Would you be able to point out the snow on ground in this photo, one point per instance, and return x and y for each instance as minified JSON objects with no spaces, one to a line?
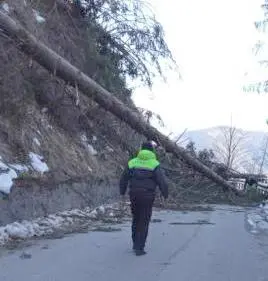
{"x":257,"y":218}
{"x":38,"y":163}
{"x":8,"y":172}
{"x":6,"y":176}
{"x":5,"y":7}
{"x":92,"y":150}
{"x":36,"y":141}
{"x":38,"y":17}
{"x":63,"y":220}
{"x":19,"y":168}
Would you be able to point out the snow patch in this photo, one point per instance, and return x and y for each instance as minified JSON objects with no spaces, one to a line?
{"x":258,"y":219}
{"x":8,"y":172}
{"x":92,"y":150}
{"x":19,"y":167}
{"x":38,"y":163}
{"x":109,"y":149}
{"x":44,"y":110}
{"x":255,"y":218}
{"x":5,"y":7}
{"x":6,"y":176}
{"x":84,"y":4}
{"x":38,"y":17}
{"x":263,"y":225}
{"x":213,"y":133}
{"x":47,"y":225}
{"x":251,"y":223}
{"x":36,"y":141}
{"x":93,"y":214}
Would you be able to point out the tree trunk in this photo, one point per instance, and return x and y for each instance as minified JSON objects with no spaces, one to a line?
{"x":60,"y":67}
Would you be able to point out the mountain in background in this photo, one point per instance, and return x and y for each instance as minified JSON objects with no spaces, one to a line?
{"x":205,"y":138}
{"x":253,"y":145}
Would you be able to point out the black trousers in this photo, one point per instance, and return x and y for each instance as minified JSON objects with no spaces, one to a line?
{"x":141,"y":208}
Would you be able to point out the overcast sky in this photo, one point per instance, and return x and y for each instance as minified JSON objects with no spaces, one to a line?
{"x":212,"y":43}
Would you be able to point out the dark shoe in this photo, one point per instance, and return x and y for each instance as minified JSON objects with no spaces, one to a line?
{"x":140,"y":252}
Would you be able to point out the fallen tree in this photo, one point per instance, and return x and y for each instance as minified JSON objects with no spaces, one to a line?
{"x":61,"y":68}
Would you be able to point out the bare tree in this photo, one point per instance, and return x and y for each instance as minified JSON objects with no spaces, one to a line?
{"x":259,"y":159}
{"x":229,"y":147}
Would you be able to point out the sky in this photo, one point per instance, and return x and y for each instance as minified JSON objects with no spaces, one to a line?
{"x":212,"y":43}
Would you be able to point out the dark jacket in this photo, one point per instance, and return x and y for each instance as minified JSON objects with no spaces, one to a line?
{"x":143,"y":174}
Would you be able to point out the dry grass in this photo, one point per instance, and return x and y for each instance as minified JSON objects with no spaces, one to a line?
{"x":26,"y":89}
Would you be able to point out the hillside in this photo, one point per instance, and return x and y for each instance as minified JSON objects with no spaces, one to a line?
{"x":52,"y":136}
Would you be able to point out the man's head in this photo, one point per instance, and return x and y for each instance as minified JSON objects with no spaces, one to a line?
{"x":149,"y":145}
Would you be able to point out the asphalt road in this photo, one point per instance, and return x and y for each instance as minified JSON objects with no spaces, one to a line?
{"x":194,"y":246}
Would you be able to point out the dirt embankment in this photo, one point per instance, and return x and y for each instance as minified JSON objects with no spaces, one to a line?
{"x":60,"y":148}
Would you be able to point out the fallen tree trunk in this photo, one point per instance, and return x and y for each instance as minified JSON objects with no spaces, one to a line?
{"x":60,"y":67}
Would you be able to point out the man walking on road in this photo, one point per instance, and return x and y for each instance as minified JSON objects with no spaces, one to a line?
{"x":142,"y":175}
